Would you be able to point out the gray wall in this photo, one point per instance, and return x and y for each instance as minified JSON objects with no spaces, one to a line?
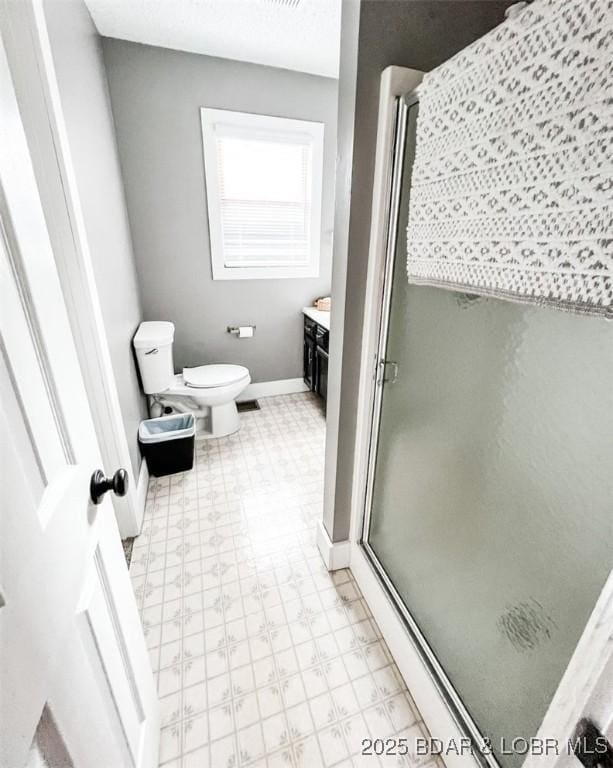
{"x":77,"y":55}
{"x":421,"y":35}
{"x":156,"y":96}
{"x":348,"y":63}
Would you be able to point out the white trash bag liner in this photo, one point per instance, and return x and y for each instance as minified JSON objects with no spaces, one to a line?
{"x":172,"y":427}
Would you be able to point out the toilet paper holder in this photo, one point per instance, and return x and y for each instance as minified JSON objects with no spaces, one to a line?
{"x":242,"y":331}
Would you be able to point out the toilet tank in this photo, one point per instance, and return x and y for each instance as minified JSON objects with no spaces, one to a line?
{"x":153,"y":346}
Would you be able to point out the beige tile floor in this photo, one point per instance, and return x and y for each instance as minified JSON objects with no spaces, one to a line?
{"x":262,"y":658}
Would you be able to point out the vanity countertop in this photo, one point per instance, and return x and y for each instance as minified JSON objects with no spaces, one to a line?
{"x":320,"y":317}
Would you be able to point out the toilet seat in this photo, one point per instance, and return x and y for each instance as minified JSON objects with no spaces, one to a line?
{"x":210,"y":376}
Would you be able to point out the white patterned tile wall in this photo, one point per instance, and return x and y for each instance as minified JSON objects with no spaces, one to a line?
{"x":262,"y":657}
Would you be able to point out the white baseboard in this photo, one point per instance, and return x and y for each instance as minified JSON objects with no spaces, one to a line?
{"x":334,"y":555}
{"x":141,"y":492}
{"x":435,"y":712}
{"x":271,"y":388}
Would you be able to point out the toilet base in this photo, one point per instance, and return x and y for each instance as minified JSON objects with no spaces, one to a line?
{"x":223,"y":420}
{"x":211,"y":421}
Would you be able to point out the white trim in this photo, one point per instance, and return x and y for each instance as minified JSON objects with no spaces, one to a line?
{"x":141,"y":492}
{"x":334,"y":554}
{"x":59,"y":191}
{"x":432,"y":706}
{"x":395,"y":82}
{"x":215,"y":121}
{"x":271,"y":388}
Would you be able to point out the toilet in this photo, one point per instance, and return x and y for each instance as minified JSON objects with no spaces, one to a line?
{"x":207,"y":391}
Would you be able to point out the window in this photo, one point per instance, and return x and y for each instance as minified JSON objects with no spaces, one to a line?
{"x":263,"y":183}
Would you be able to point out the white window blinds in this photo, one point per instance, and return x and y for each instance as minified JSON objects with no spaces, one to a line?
{"x":263,"y":179}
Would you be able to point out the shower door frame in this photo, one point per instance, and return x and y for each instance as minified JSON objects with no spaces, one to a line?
{"x":590,"y":669}
{"x":459,"y":712}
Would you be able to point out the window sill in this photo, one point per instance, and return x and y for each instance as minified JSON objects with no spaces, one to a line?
{"x":264,"y":273}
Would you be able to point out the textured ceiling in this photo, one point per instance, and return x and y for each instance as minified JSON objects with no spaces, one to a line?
{"x":303,"y":35}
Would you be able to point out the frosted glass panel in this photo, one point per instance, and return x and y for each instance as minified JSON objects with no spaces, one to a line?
{"x":492,"y":502}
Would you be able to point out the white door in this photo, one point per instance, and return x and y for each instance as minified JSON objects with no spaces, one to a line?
{"x":584,"y":696}
{"x":76,"y":688}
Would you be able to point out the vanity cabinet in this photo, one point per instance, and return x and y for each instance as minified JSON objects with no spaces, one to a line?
{"x":308,"y":358}
{"x":321,"y":378}
{"x":315,"y":357}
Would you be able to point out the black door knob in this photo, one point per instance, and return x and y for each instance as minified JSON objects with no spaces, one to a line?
{"x":100,"y":484}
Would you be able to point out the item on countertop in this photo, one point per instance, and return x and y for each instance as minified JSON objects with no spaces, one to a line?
{"x":324,"y":304}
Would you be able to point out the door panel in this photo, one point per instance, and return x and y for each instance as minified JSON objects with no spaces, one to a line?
{"x":34,"y":399}
{"x":102,"y":632}
{"x":23,"y":474}
{"x":74,"y":661}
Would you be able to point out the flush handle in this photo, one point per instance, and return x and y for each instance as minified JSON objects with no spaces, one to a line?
{"x":99,"y":484}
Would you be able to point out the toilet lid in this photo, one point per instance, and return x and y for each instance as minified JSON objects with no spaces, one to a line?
{"x":207,"y":376}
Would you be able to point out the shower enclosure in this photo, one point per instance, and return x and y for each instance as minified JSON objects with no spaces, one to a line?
{"x":489,"y":500}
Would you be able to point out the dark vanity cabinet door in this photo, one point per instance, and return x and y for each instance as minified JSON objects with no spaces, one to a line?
{"x":321,"y":358}
{"x":321,"y":380}
{"x":309,"y":362}
{"x":315,"y":357}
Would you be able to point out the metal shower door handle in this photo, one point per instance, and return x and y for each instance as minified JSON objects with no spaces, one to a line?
{"x":383,"y":375}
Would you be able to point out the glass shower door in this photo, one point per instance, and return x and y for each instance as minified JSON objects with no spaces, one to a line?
{"x":490,"y":501}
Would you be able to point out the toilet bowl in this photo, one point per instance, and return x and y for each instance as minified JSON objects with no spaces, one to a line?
{"x":221,"y":385}
{"x":207,"y":391}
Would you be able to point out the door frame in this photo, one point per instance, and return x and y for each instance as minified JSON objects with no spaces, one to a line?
{"x":589,"y":673}
{"x":395,"y":83}
{"x":52,"y":159}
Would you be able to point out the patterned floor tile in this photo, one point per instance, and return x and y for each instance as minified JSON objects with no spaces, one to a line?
{"x":262,"y":658}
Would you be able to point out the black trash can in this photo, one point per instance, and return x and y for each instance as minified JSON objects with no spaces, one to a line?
{"x":167,"y":443}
